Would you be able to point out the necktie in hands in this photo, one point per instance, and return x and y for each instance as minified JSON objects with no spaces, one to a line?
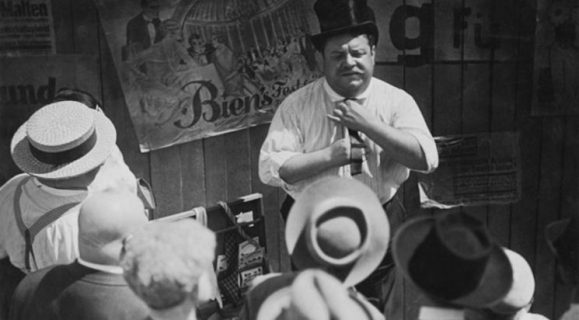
{"x":357,"y":147}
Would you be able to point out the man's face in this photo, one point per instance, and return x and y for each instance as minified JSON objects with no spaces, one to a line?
{"x":348,"y":64}
{"x":151,"y":9}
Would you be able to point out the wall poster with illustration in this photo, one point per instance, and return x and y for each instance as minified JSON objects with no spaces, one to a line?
{"x":556,"y":83}
{"x":191,"y":69}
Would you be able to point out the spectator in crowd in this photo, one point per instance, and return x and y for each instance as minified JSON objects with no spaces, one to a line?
{"x":515,"y":305}
{"x":453,"y":261}
{"x":169,"y":266}
{"x":563,"y":240}
{"x":349,"y":123}
{"x":66,"y":151}
{"x":337,"y":225}
{"x":310,"y":295}
{"x":93,"y":286}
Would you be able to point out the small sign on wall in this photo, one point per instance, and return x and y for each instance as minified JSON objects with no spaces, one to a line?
{"x":26,"y":28}
{"x":474,"y":169}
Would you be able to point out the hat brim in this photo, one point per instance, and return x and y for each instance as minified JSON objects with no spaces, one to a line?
{"x":366,"y":27}
{"x":330,"y":193}
{"x":105,"y":140}
{"x":496,"y":280}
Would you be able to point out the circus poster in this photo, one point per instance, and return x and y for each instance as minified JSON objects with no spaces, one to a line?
{"x":192,"y":69}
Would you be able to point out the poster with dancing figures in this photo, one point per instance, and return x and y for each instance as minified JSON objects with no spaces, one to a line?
{"x":192,"y":69}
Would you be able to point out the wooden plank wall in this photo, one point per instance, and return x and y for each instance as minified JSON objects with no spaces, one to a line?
{"x":459,"y":91}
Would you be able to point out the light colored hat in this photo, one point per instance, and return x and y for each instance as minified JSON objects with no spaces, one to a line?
{"x":452,"y":258}
{"x":62,"y":140}
{"x":522,"y":289}
{"x":339,"y":225}
{"x":313,"y":294}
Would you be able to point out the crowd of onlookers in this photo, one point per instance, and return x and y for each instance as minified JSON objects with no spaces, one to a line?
{"x":77,"y":241}
{"x":101,"y":257}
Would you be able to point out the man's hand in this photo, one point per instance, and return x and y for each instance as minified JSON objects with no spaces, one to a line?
{"x":353,"y":115}
{"x":340,"y":152}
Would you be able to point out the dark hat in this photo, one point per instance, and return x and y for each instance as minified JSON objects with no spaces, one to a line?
{"x":563,"y":240}
{"x":452,"y":258}
{"x":339,"y":225}
{"x":343,"y":16}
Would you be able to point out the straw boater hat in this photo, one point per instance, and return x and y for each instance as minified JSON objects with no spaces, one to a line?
{"x":61,"y":140}
{"x":343,"y":16}
{"x":339,"y":225}
{"x":452,"y":258}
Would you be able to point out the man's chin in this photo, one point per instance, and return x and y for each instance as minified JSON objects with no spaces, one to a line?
{"x":353,"y":88}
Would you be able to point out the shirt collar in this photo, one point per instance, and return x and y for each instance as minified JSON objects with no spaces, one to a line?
{"x":335,"y":97}
{"x":59,"y":192}
{"x":101,"y":267}
{"x":147,"y":18}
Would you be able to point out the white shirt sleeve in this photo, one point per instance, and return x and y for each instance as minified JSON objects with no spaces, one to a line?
{"x":408,"y":117}
{"x":283,"y":142}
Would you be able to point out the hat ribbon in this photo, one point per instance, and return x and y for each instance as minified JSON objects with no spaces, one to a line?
{"x":67,"y":156}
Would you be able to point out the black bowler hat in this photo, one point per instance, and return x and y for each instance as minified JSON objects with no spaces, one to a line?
{"x":343,"y":16}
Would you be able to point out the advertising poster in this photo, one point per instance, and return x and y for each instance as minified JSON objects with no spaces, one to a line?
{"x":191,"y":69}
{"x":477,"y":169}
{"x":556,"y":74}
{"x":27,"y":84}
{"x":26,"y":28}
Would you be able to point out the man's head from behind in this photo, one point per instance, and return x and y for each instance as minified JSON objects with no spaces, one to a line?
{"x":169,"y":264}
{"x":105,"y":219}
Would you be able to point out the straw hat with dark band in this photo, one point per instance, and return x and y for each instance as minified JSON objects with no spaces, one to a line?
{"x":339,"y":225}
{"x":62,"y":140}
{"x":452,"y":258}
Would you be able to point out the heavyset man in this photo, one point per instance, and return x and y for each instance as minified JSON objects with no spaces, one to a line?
{"x":348,"y":123}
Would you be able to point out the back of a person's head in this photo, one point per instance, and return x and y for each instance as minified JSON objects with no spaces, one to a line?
{"x":105,"y":218}
{"x":168,"y":264}
{"x":70,"y":94}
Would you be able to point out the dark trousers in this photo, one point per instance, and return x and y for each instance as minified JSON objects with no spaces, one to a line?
{"x":378,"y":287}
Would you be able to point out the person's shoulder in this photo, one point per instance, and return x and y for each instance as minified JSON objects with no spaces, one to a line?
{"x":387,"y":87}
{"x":389,"y":92}
{"x":33,"y":281}
{"x":306,"y":92}
{"x":10,"y":185}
